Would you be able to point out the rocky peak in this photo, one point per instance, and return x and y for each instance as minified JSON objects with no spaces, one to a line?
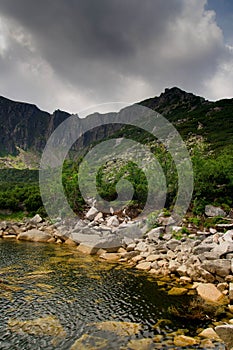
{"x":172,"y":99}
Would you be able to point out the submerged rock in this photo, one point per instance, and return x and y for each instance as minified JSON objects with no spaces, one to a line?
{"x":89,"y":342}
{"x":48,"y":325}
{"x":120,"y":328}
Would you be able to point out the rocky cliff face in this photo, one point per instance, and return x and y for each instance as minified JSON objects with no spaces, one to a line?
{"x":25,"y":126}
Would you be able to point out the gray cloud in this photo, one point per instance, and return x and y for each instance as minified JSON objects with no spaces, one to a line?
{"x":72,"y":53}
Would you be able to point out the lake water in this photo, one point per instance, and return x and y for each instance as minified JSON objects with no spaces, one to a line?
{"x":50,"y":296}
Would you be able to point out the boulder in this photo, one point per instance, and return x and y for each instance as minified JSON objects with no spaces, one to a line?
{"x":110,"y":256}
{"x":223,"y":248}
{"x":212,"y":211}
{"x":155,"y":233}
{"x":34,"y":235}
{"x":82,"y":248}
{"x":209,"y":292}
{"x":172,"y":244}
{"x":203,"y":248}
{"x":36,"y":219}
{"x":92,"y":212}
{"x":209,"y":333}
{"x":130,"y":230}
{"x":144,"y":266}
{"x":92,"y":238}
{"x":113,"y":221}
{"x":220,"y":267}
{"x":183,"y":340}
{"x":225,"y":332}
{"x":228,"y":236}
{"x":142,"y":247}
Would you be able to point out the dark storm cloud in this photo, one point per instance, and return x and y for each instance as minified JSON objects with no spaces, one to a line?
{"x":91,"y":42}
{"x":101,"y":50}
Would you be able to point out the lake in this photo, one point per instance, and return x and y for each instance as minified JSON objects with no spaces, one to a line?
{"x":51,"y":296}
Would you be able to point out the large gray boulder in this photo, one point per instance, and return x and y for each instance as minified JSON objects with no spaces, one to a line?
{"x":212,"y":211}
{"x":223,"y":248}
{"x":220,"y":267}
{"x":130,"y":230}
{"x":34,"y":236}
{"x":97,"y":239}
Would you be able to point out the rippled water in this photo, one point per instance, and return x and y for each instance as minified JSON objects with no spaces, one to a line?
{"x":50,"y":296}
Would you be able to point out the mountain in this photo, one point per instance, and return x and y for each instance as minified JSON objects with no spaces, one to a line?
{"x":26,"y":128}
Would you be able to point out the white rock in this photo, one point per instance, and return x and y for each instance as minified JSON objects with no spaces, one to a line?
{"x":113,"y":221}
{"x":92,"y":212}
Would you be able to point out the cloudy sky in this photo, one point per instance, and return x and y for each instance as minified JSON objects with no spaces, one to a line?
{"x":72,"y":54}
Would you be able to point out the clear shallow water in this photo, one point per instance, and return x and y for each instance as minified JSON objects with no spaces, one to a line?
{"x":50,"y":296}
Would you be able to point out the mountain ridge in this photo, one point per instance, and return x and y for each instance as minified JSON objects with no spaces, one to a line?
{"x":23,"y":126}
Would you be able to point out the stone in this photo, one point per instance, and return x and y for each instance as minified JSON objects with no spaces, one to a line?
{"x":96,"y":239}
{"x":182,"y":270}
{"x":113,"y":221}
{"x":92,"y":212}
{"x":130,"y":230}
{"x":123,"y":329}
{"x":155,"y":233}
{"x":82,"y":248}
{"x":153,"y":257}
{"x":231,"y":292}
{"x":225,"y":332}
{"x":137,"y":258}
{"x":207,"y":344}
{"x":173,"y":266}
{"x":212,"y":230}
{"x":220,"y":267}
{"x":202,"y":248}
{"x":222,"y":286}
{"x":223,"y":248}
{"x":34,"y":235}
{"x":172,"y":244}
{"x":144,"y":266}
{"x":212,"y":211}
{"x":230,"y":307}
{"x":142,"y":247}
{"x":228,"y":236}
{"x":36,"y":219}
{"x":171,"y":254}
{"x":177,"y":291}
{"x":209,"y":333}
{"x":98,"y":217}
{"x":209,"y":292}
{"x":51,"y":240}
{"x":206,"y":275}
{"x":185,"y":280}
{"x":183,"y":340}
{"x":89,"y":342}
{"x":70,"y":242}
{"x":142,"y":344}
{"x":111,"y":256}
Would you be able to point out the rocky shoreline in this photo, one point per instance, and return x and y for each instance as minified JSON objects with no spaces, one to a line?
{"x":199,"y":262}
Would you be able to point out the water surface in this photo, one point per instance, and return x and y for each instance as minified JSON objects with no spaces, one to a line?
{"x":51,"y":295}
